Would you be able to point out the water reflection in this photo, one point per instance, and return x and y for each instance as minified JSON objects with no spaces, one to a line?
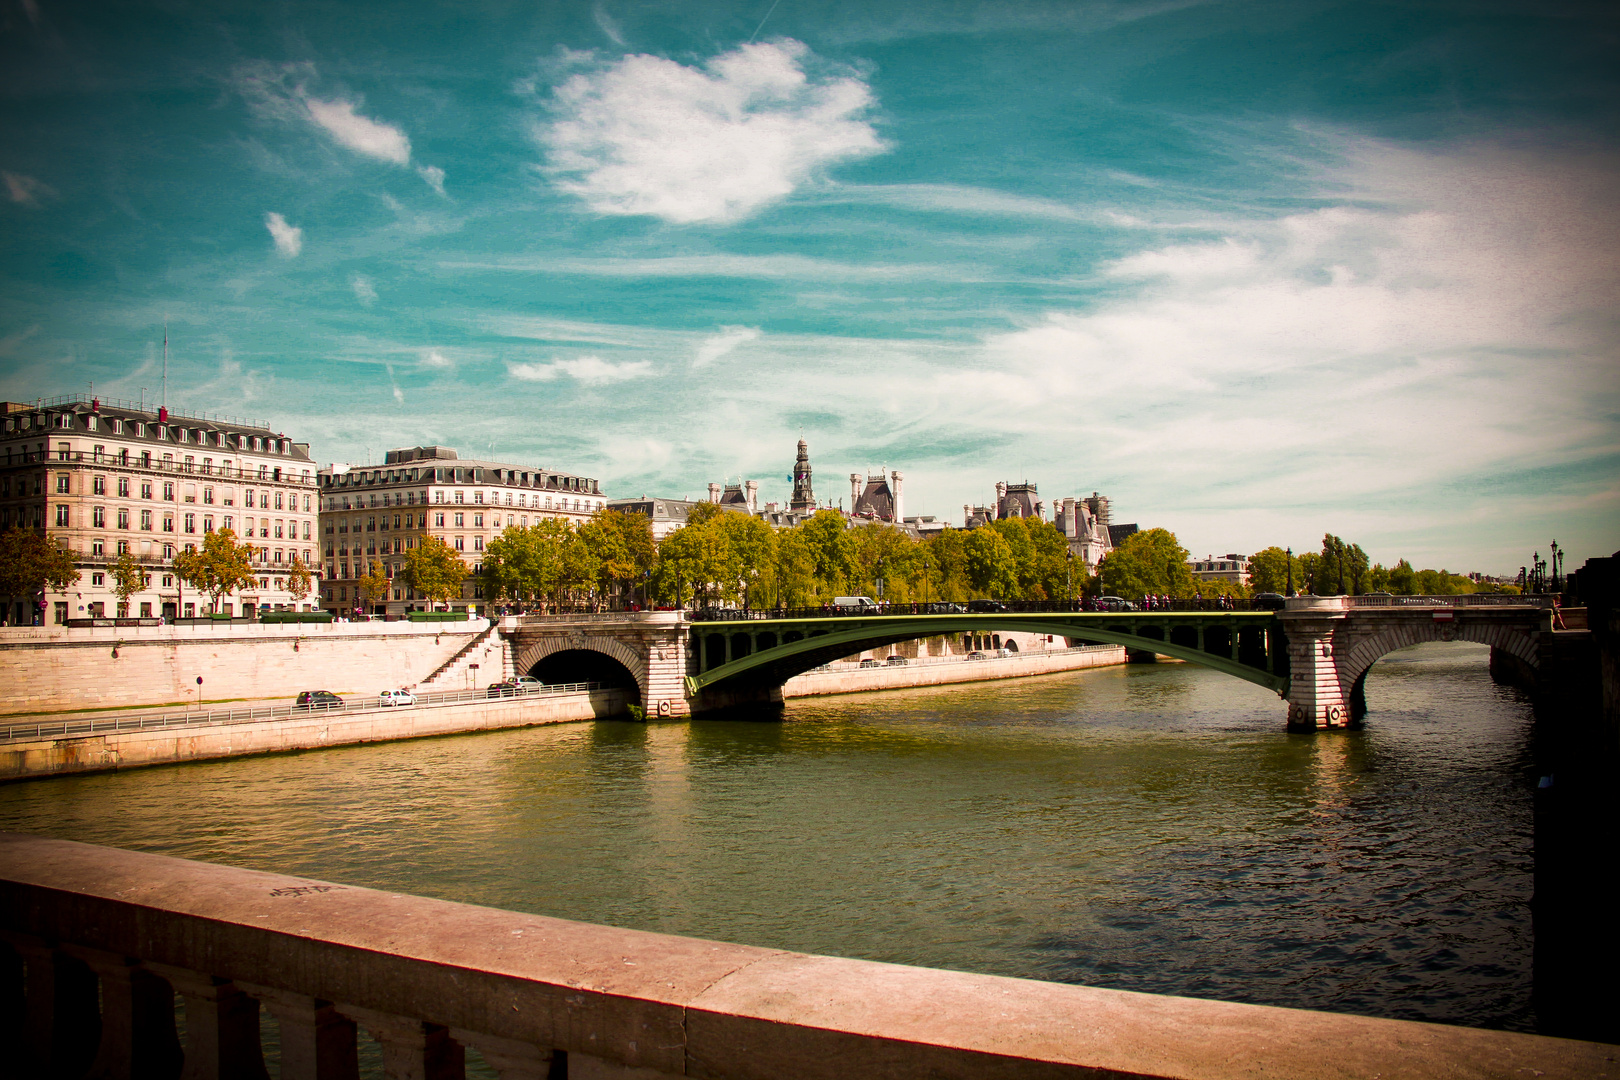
{"x":1148,"y":827}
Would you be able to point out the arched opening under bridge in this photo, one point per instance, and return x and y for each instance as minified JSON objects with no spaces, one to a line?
{"x":586,"y":665}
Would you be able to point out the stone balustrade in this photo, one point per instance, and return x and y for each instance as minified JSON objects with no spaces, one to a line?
{"x":101,"y":941}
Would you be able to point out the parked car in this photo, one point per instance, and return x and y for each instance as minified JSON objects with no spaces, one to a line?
{"x":869,"y":662}
{"x":945,"y":609}
{"x":1270,"y":601}
{"x":1002,"y":654}
{"x":975,"y":656}
{"x":854,"y":603}
{"x":1114,"y":603}
{"x":504,"y":689}
{"x":396,"y":697}
{"x":986,"y":605}
{"x":319,"y":699}
{"x":896,"y":661}
{"x":529,"y":684}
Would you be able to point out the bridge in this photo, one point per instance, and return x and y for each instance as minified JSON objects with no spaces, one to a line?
{"x":1315,"y":653}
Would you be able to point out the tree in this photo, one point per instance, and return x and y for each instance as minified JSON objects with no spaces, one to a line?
{"x":1342,"y":569}
{"x":992,"y":568}
{"x":29,"y":561}
{"x":1150,"y":562}
{"x":1272,"y":569}
{"x":947,"y":558}
{"x":794,"y":574}
{"x":1402,"y":579}
{"x":129,"y":577}
{"x":622,"y":545}
{"x":374,"y":587}
{"x":299,"y":579}
{"x":222,"y":566}
{"x":434,"y":570}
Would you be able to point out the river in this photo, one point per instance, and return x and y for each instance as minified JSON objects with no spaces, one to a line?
{"x":1148,"y":827}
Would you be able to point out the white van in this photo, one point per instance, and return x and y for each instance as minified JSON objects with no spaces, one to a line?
{"x":856,"y":603}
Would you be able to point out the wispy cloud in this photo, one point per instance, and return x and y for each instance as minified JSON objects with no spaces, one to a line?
{"x":721,"y":344}
{"x":25,"y":190}
{"x":785,"y":267}
{"x":281,"y":92}
{"x":588,"y":370}
{"x":435,"y":360}
{"x":649,"y":136}
{"x":364,"y":290}
{"x":607,"y":25}
{"x":289,"y":238}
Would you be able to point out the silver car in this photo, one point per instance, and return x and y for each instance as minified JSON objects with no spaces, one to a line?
{"x":396,"y":697}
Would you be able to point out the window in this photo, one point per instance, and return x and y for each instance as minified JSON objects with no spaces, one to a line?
{"x":63,"y":483}
{"x":146,"y":520}
{"x":278,"y":500}
{"x":168,"y":491}
{"x":458,"y":519}
{"x":371,"y":523}
{"x":438,"y":496}
{"x":64,"y":451}
{"x":478,"y":543}
{"x":208,"y":495}
{"x":460,"y":546}
{"x":191,"y":463}
{"x":460,"y":496}
{"x":208,"y":523}
{"x":123,"y":518}
{"x":278,"y":530}
{"x":98,"y":485}
{"x":191,"y":523}
{"x":123,"y":547}
{"x":168,"y":523}
{"x":99,"y":453}
{"x":63,"y":515}
{"x":247,"y":497}
{"x":95,"y":547}
{"x":227,"y":522}
{"x":98,"y":517}
{"x":478,"y":520}
{"x":146,"y":490}
{"x":478,"y":496}
{"x":438,"y":519}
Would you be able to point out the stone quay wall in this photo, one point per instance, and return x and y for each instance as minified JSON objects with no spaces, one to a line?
{"x":59,"y":668}
{"x":106,"y":751}
{"x":96,"y":943}
{"x":854,"y":680}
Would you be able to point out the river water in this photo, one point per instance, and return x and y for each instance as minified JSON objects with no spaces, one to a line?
{"x":1148,"y":827}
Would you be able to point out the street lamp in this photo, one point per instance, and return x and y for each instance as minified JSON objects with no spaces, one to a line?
{"x":1289,"y":563}
{"x":1068,"y":576}
{"x":1555,"y":556}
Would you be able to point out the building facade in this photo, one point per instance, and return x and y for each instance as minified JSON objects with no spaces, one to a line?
{"x":378,"y":513}
{"x":1229,"y":567}
{"x":109,"y":477}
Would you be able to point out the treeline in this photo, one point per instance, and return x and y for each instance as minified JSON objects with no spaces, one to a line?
{"x":730,"y":559}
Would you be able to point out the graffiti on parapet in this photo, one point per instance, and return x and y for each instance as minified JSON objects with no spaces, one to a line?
{"x":303,"y":890}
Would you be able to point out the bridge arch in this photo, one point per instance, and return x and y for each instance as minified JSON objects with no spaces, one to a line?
{"x":534,"y":657}
{"x":1368,"y":648}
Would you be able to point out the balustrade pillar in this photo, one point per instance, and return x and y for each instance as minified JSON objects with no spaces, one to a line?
{"x":1316,"y":699}
{"x":63,"y":1025}
{"x":138,"y":1038}
{"x":222,"y":1027}
{"x":317,"y":1041}
{"x":512,"y":1059}
{"x":411,"y":1049}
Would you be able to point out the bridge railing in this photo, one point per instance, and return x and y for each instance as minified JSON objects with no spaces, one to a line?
{"x":254,"y":714}
{"x":96,"y":944}
{"x":1384,"y":600}
{"x":983,"y":607}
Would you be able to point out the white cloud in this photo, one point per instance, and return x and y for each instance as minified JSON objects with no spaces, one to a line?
{"x":24,"y":190}
{"x":436,"y":360}
{"x":608,"y":26}
{"x":370,"y":137}
{"x":589,"y":370}
{"x":650,"y":136}
{"x":718,"y":345}
{"x":281,"y":93}
{"x":289,"y":238}
{"x":364,"y":290}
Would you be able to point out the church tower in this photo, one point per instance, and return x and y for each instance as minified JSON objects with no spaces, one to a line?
{"x":804,"y":497}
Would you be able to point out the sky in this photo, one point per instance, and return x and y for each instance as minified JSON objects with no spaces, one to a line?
{"x":1256,"y":271}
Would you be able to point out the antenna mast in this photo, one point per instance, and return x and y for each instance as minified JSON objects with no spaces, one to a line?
{"x":165,"y":361}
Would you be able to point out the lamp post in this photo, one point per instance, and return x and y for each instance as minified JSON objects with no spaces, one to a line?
{"x":1555,"y":554}
{"x":1288,"y":562}
{"x":1068,"y":576}
{"x":925,"y":581}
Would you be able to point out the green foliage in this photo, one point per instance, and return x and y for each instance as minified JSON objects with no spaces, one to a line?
{"x":623,"y":548}
{"x":433,"y":569}
{"x":129,"y":577}
{"x":946,"y":556}
{"x":829,"y":554}
{"x":1402,"y":579}
{"x":1269,"y":571}
{"x":222,"y":566}
{"x":29,"y":561}
{"x":1149,"y":562}
{"x":548,"y":562}
{"x":1341,"y":570}
{"x":374,"y":586}
{"x":992,"y":568}
{"x":299,"y":578}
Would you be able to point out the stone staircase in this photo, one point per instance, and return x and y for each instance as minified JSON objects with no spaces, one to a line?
{"x":488,"y":649}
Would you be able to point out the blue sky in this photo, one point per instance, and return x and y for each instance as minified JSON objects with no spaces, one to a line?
{"x":1255,"y":270}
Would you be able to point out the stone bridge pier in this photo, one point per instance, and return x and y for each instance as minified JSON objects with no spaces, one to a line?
{"x":651,"y":646}
{"x":1332,"y":642}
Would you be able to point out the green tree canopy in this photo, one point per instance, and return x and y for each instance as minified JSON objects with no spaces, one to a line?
{"x":992,"y":569}
{"x":222,"y":566}
{"x":1149,"y":562}
{"x":373,"y":586}
{"x":29,"y":561}
{"x":129,"y":577}
{"x":433,"y":569}
{"x":622,"y":546}
{"x":1272,"y":569}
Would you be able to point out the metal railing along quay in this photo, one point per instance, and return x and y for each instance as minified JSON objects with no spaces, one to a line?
{"x":258,"y":713}
{"x":1204,"y":604}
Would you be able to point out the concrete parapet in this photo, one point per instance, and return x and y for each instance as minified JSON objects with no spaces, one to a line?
{"x":102,"y":752}
{"x":427,"y":978}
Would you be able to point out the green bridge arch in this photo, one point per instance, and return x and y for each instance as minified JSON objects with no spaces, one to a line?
{"x":1256,"y":648}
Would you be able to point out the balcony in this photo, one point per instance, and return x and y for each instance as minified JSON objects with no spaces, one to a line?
{"x":83,"y":457}
{"x":102,"y":940}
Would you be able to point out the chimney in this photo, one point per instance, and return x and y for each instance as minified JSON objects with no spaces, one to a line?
{"x":967,"y":514}
{"x":714,"y":493}
{"x":752,"y":487}
{"x":854,"y":491}
{"x":163,"y":414}
{"x":897,"y":478}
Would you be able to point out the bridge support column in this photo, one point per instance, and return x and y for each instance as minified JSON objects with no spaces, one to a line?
{"x":1316,"y":698}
